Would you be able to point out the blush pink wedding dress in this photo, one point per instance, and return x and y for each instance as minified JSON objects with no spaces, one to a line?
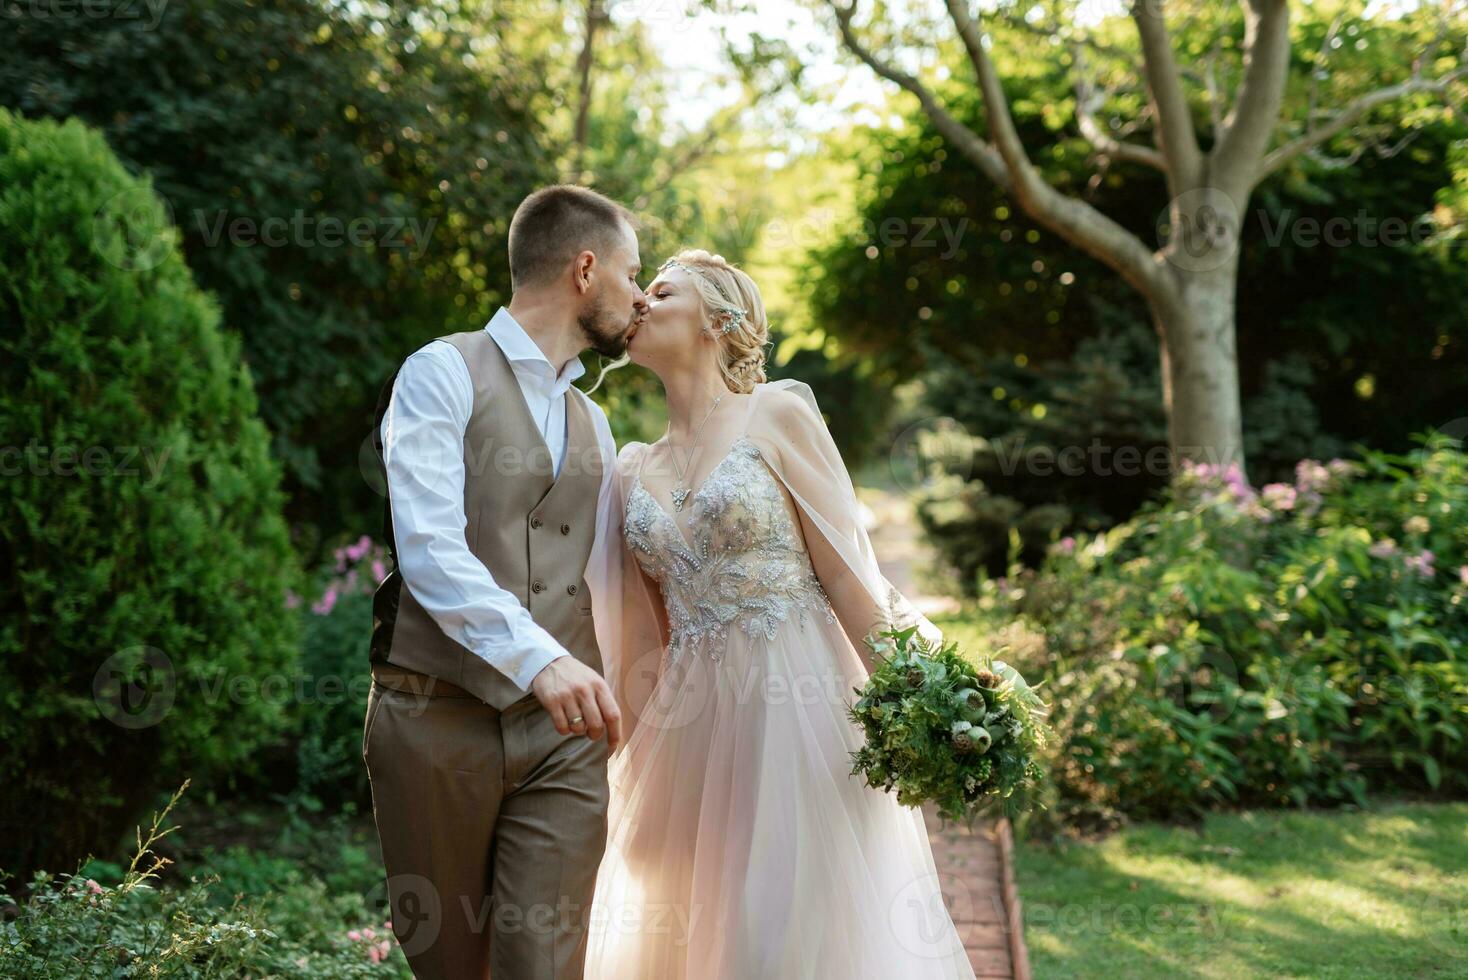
{"x":739,"y":845}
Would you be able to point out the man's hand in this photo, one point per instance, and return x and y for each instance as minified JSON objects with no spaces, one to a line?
{"x":569,"y":689}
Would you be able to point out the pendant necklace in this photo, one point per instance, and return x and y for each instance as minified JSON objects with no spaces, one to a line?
{"x":680,"y":492}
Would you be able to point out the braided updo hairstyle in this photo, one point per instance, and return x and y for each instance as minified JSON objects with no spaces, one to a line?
{"x":720,"y":285}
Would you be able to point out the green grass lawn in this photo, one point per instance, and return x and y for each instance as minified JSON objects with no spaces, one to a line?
{"x":1375,"y":893}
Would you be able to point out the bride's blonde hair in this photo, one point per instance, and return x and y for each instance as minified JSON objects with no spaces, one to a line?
{"x":730,"y":300}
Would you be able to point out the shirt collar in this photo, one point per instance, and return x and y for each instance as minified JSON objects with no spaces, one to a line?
{"x":521,"y":351}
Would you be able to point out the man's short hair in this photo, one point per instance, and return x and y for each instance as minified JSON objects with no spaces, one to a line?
{"x":555,"y":223}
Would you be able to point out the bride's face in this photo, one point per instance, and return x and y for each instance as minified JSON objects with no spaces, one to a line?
{"x":672,"y":327}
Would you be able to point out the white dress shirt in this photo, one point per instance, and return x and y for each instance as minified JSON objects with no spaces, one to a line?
{"x":423,"y":448}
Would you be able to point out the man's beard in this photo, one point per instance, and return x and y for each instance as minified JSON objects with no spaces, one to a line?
{"x":605,"y":334}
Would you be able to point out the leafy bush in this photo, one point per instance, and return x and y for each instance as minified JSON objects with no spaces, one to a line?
{"x":1303,"y":642}
{"x":145,"y":553}
{"x":74,"y":926}
{"x":337,"y":620}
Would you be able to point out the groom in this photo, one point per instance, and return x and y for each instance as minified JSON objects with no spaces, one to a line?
{"x":483,"y":735}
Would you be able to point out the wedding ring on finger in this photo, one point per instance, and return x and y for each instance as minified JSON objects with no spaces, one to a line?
{"x":577,"y":721}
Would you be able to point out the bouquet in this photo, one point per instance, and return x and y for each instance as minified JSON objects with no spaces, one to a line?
{"x":941,"y":729}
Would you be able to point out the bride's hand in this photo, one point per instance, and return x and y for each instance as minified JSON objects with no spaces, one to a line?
{"x":570,"y":689}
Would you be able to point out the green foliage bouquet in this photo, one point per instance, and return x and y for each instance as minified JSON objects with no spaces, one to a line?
{"x":942,"y":729}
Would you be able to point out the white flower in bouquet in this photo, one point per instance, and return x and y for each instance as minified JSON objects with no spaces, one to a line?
{"x":941,"y":728}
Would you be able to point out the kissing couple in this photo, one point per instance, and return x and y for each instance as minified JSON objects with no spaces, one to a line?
{"x":607,"y":732}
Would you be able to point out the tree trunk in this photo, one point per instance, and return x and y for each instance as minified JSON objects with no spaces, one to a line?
{"x":1200,"y":375}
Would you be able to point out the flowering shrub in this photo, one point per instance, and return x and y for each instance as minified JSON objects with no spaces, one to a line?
{"x":1302,"y":642}
{"x":337,"y":622}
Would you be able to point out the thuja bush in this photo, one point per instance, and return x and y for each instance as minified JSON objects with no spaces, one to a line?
{"x":145,"y":555}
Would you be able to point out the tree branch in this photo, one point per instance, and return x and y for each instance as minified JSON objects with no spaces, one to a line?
{"x":1353,"y":113}
{"x":1175,"y":135}
{"x":1090,"y":99}
{"x":1246,"y":130}
{"x":977,"y":149}
{"x":1215,"y":99}
{"x":1073,"y":219}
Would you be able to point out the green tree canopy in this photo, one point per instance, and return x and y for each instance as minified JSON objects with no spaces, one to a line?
{"x":343,"y":177}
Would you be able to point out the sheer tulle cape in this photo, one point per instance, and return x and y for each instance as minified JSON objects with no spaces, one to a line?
{"x":785,"y":423}
{"x":739,"y":844}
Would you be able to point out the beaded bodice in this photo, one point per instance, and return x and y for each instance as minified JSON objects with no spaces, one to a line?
{"x":744,"y":564}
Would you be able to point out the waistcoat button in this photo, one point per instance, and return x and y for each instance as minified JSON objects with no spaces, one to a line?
{"x":570,"y":590}
{"x":565,"y":529}
{"x":537,"y":586}
{"x":535,"y":522}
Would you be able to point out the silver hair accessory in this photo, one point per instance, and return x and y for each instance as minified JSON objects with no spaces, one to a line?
{"x":734,"y":316}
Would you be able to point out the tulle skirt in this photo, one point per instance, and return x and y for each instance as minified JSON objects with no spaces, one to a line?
{"x":739,"y":845}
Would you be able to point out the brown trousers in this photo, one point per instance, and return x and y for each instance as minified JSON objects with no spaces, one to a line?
{"x":492,"y":827}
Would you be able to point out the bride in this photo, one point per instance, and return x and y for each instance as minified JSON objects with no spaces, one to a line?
{"x":733,"y":585}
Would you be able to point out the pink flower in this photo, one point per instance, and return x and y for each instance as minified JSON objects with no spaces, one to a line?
{"x":379,"y":570}
{"x":94,"y":888}
{"x":1421,"y":563}
{"x":1384,"y":548}
{"x":354,"y":935}
{"x":1463,"y":574}
{"x":1280,"y":496}
{"x":1066,"y":545}
{"x":1310,"y":475}
{"x":327,"y":602}
{"x":1236,"y":484}
{"x":387,"y":924}
{"x":292,"y":601}
{"x":356,"y":551}
{"x":374,"y":954}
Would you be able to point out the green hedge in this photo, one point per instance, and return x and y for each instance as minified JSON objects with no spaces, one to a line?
{"x":141,"y":520}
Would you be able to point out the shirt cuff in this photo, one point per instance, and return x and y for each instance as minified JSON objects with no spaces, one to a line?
{"x":534,"y":661}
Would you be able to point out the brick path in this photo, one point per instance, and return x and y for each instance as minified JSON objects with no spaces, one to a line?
{"x":974,"y":865}
{"x":978,"y":890}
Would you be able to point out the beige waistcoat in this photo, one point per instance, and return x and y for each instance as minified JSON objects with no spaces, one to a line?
{"x":532,"y":530}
